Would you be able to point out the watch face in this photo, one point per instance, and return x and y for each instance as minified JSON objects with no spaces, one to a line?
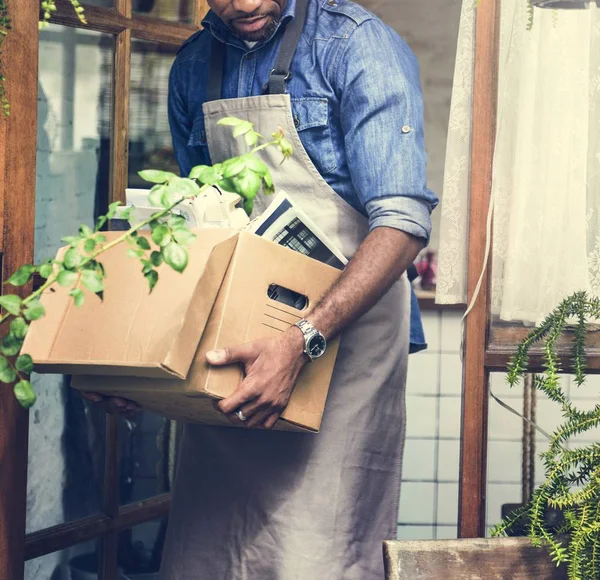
{"x":316,"y":346}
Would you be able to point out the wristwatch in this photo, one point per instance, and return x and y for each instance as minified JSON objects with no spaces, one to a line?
{"x":314,"y":342}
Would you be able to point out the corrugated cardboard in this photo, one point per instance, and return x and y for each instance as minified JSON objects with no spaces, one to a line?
{"x":133,"y":332}
{"x":243,"y":312}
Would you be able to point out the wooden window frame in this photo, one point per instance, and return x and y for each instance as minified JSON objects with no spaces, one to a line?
{"x":17,"y":215}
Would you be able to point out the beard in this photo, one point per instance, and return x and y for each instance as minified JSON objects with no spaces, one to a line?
{"x":256,"y":36}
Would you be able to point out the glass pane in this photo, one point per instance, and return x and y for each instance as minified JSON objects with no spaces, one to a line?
{"x":102,"y":3}
{"x":150,"y":138}
{"x":148,"y":444}
{"x":75,"y":563}
{"x":176,"y":10}
{"x":66,"y":437}
{"x":140,"y":550}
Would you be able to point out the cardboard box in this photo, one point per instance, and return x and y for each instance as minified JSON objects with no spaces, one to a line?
{"x":243,"y":312}
{"x":133,"y":332}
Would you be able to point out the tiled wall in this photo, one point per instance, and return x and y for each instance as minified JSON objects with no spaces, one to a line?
{"x":429,"y":497}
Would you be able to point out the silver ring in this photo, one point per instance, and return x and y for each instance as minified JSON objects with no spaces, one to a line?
{"x":241,"y":416}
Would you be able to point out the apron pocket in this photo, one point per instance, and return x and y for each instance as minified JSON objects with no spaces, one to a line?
{"x":311,"y":118}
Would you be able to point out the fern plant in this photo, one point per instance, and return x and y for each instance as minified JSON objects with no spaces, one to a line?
{"x":572,"y":472}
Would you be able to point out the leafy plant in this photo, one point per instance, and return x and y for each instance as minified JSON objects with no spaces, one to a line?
{"x":572,"y":484}
{"x":80,"y":270}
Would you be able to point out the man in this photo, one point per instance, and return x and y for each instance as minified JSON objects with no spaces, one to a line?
{"x":255,"y":504}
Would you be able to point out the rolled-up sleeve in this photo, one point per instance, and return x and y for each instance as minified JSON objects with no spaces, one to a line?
{"x":381,"y":112}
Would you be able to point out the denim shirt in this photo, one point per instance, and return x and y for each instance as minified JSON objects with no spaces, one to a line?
{"x":357,"y":106}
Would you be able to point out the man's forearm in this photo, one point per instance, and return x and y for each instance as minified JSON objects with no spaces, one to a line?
{"x":380,"y":260}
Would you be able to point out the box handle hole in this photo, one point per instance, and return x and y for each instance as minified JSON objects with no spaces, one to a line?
{"x":288,"y":297}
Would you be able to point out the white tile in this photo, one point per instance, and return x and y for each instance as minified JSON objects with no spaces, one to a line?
{"x":421,"y":416}
{"x":447,"y":508}
{"x":589,"y":390}
{"x":432,"y":321}
{"x":504,"y":461}
{"x":419,"y":460}
{"x":500,"y":387}
{"x":417,"y":503}
{"x":499,"y":494}
{"x":423,"y":373}
{"x":411,"y":532}
{"x":451,"y":372}
{"x":448,"y":460}
{"x":446,"y":532}
{"x":502,"y":424}
{"x":450,"y":408}
{"x":451,"y":329}
{"x":548,"y":416}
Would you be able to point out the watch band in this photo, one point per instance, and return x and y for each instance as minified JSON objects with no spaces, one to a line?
{"x":310,"y":332}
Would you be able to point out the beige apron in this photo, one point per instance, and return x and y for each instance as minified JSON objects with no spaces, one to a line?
{"x":266,"y":505}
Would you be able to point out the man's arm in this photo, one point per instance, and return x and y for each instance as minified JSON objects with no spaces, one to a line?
{"x":272,"y":365}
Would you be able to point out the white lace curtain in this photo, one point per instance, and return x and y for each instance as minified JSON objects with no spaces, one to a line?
{"x":546,"y":177}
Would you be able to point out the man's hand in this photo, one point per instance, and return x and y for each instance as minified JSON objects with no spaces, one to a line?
{"x":272,"y":367}
{"x":112,"y":404}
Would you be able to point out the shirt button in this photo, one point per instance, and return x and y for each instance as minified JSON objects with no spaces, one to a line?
{"x":249,"y":56}
{"x":406,"y":129}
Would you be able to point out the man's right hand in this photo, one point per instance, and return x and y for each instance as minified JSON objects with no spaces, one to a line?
{"x":113,"y":404}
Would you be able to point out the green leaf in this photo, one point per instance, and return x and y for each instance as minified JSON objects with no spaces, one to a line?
{"x":126,"y":214}
{"x":72,"y":259}
{"x":78,"y":296}
{"x":211,"y":176}
{"x":156,"y":176}
{"x":233,"y":166}
{"x":22,"y":275}
{"x":3,"y":363}
{"x":46,"y":270}
{"x":171,"y":199}
{"x":24,"y":364}
{"x":25,"y":394}
{"x":132,"y":253}
{"x":175,"y":256}
{"x":161,"y":235}
{"x":286,"y":148}
{"x":143,"y":243}
{"x":35,"y":310}
{"x":19,"y":327}
{"x":85,"y":231}
{"x":156,"y":258}
{"x":67,"y":278}
{"x":71,"y":240}
{"x":183,"y":186}
{"x":11,"y":303}
{"x":183,"y":236}
{"x":256,"y":165}
{"x":197,"y":171}
{"x":112,"y":209}
{"x":11,"y":345}
{"x":251,"y":138}
{"x":227,"y":185}
{"x":92,"y":281}
{"x":249,"y":206}
{"x":176,"y":221}
{"x":242,"y":128}
{"x":152,"y":277}
{"x":230,"y":121}
{"x":100,"y":222}
{"x":155,"y":195}
{"x":8,"y":375}
{"x":100,"y":239}
{"x":247,"y":184}
{"x":268,"y":180}
{"x":90,"y":245}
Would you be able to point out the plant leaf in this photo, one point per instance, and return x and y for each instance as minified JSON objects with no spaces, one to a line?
{"x":156,"y":176}
{"x":175,"y":256}
{"x":67,"y":278}
{"x":156,"y":258}
{"x":8,"y":375}
{"x":161,"y":235}
{"x":155,"y":195}
{"x":46,"y":270}
{"x":92,"y":281}
{"x":72,"y":259}
{"x":71,"y":240}
{"x":22,"y":275}
{"x":78,"y":296}
{"x":34,"y":311}
{"x":183,"y":236}
{"x":251,"y":138}
{"x":211,"y":176}
{"x":247,"y":184}
{"x":24,"y":364}
{"x":256,"y":164}
{"x":183,"y":186}
{"x":90,"y":245}
{"x":242,"y":128}
{"x":143,"y":243}
{"x":234,"y":166}
{"x":11,"y":303}
{"x":197,"y":171}
{"x":230,"y":121}
{"x":152,"y":277}
{"x":112,"y":209}
{"x":19,"y":327}
{"x":10,"y":345}
{"x":25,"y":394}
{"x":85,"y":231}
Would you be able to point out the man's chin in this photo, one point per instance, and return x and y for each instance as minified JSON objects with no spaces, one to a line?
{"x":257,"y":35}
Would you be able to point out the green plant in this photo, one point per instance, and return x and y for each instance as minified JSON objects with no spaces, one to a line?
{"x":530,"y":12}
{"x":47,"y":8}
{"x":572,"y":471}
{"x":80,"y":270}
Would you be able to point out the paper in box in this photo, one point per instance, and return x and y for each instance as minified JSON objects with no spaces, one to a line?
{"x":243,"y":312}
{"x":133,"y":332}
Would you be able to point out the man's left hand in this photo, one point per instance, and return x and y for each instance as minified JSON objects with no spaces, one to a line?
{"x":271,"y":368}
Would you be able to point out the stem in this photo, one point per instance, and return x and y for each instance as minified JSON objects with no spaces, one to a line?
{"x":52,"y":279}
{"x":263,"y":146}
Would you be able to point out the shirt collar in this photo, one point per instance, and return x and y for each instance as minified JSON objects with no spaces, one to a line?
{"x":220,"y":31}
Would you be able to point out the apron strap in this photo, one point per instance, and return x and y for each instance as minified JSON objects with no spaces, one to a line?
{"x":279,"y":75}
